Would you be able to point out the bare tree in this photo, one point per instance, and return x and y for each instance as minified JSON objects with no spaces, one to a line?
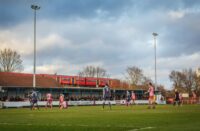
{"x":177,"y":78}
{"x":197,"y":84}
{"x":186,"y":80}
{"x":162,"y":90}
{"x":189,"y":79}
{"x":146,"y":80}
{"x":10,"y":61}
{"x":92,"y":71}
{"x":135,"y":76}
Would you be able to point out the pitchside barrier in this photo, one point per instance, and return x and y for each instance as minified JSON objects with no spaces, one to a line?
{"x":141,"y":102}
{"x":1,"y":104}
{"x":71,"y":103}
{"x":55,"y":103}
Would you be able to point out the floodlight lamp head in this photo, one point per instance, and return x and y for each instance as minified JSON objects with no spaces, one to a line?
{"x":154,"y":34}
{"x":35,"y":7}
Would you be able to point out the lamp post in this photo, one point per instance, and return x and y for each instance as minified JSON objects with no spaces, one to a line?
{"x":154,"y":36}
{"x":35,"y":8}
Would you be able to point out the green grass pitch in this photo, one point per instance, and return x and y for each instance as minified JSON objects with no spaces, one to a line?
{"x":94,"y":118}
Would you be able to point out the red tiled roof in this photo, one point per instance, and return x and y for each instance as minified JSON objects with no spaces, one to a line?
{"x":26,"y":80}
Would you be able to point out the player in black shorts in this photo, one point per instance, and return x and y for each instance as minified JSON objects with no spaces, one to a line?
{"x":177,"y":98}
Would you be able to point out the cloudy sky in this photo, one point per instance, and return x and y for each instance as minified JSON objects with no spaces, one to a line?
{"x":113,"y":34}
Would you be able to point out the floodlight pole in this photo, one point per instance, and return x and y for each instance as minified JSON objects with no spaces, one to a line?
{"x":154,"y":36}
{"x":78,"y":79}
{"x":97,"y":83}
{"x":34,"y":7}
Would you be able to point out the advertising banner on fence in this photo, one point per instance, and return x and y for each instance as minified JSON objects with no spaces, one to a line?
{"x":55,"y":103}
{"x":72,"y":103}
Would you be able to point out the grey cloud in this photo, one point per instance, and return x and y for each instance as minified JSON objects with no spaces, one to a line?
{"x":13,"y":12}
{"x":182,"y":37}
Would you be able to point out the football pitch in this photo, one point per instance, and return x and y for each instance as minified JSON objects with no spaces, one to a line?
{"x":94,"y":118}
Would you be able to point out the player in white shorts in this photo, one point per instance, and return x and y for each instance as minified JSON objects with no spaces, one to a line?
{"x":49,"y":100}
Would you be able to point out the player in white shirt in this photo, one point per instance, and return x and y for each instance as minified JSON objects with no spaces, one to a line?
{"x":106,"y":95}
{"x":128,"y":98}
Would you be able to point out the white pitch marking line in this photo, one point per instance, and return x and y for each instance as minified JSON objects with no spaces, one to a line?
{"x":144,"y":128}
{"x":28,"y":124}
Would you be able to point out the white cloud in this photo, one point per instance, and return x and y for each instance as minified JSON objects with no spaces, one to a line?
{"x":176,"y":14}
{"x":166,"y":65}
{"x":180,"y":13}
{"x":101,"y":13}
{"x":20,"y":38}
{"x":180,"y":62}
{"x":51,"y":69}
{"x":11,"y":39}
{"x":52,"y":40}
